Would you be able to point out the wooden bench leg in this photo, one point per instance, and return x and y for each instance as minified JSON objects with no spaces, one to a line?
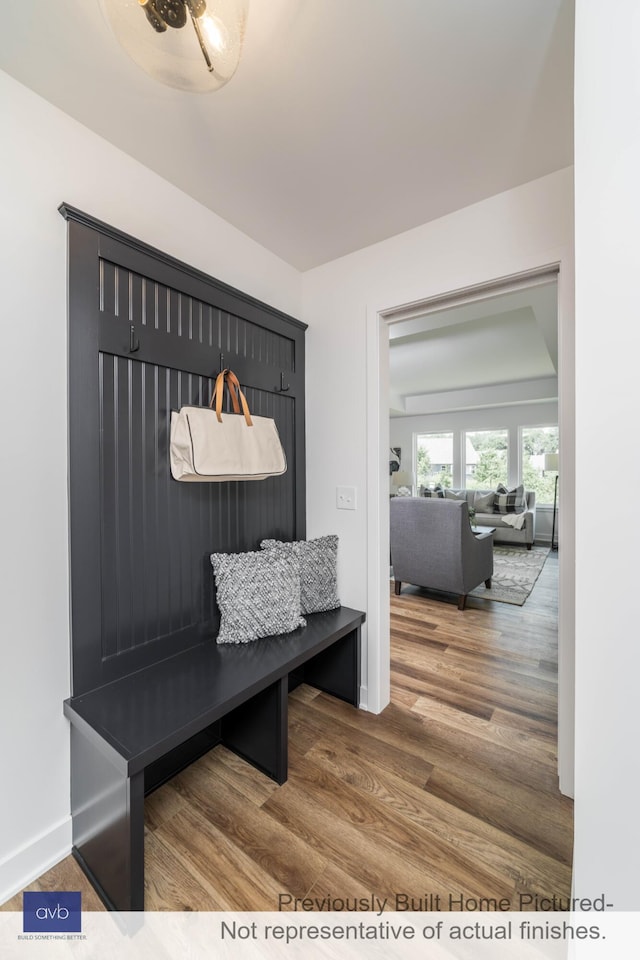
{"x":107,"y":808}
{"x":257,"y":730}
{"x":397,"y":587}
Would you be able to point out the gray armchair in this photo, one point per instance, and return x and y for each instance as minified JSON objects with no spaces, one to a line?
{"x":432,"y":546}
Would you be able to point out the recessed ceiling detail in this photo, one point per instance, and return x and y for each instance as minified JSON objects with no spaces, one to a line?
{"x":502,"y":342}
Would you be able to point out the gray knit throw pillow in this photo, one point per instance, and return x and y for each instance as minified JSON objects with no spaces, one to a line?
{"x":258,"y":595}
{"x":318,"y":561}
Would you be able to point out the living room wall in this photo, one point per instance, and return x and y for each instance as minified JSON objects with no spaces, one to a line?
{"x":53,"y":158}
{"x":402,"y":431}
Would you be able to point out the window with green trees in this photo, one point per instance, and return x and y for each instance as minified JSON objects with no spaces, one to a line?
{"x":434,"y":455}
{"x":534,"y":443}
{"x":486,"y":459}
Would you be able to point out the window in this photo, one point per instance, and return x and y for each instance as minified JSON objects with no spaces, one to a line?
{"x":486,"y":459}
{"x":434,"y":459}
{"x":479,"y":459}
{"x":534,"y":443}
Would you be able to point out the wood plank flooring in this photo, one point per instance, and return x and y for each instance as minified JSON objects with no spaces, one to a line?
{"x":450,"y":792}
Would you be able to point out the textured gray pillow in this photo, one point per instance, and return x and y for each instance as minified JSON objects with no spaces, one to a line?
{"x":258,"y":595}
{"x":318,"y":561}
{"x":455,"y":494}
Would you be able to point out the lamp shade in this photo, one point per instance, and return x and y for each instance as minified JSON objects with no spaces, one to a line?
{"x":402,"y":478}
{"x":193,"y":45}
{"x":551,"y":463}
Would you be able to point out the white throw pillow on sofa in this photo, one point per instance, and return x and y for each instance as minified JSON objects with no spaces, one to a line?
{"x":483,"y":502}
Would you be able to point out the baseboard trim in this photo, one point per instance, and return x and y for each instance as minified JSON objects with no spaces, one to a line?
{"x":27,"y":864}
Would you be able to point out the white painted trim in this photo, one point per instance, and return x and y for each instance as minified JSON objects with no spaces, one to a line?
{"x":480,"y":291}
{"x":565,"y":530}
{"x":378,"y":668}
{"x":378,"y":322}
{"x":24,"y":866}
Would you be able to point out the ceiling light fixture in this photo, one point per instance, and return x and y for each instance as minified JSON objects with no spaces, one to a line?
{"x":193,"y":45}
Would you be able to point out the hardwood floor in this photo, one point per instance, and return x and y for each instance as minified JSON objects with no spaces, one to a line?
{"x":450,"y":792}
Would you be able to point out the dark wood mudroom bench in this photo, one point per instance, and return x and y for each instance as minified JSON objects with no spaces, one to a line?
{"x":130,"y":736}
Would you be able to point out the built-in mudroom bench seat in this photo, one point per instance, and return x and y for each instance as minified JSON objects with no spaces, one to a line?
{"x":130,"y":736}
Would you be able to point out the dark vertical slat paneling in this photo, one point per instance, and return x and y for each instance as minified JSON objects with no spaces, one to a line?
{"x":159,"y":544}
{"x":137,"y":485}
{"x":190,"y":558}
{"x":216,"y":320}
{"x":161,"y":301}
{"x":122,"y":504}
{"x":136,"y":313}
{"x":299,"y":428}
{"x":84,"y":456}
{"x":150,"y":507}
{"x":174,"y":582}
{"x":107,"y":287}
{"x":109,"y":508}
{"x":122,"y":292}
{"x":142,"y":584}
{"x":163,"y":484}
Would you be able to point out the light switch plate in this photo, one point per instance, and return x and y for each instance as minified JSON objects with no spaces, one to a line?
{"x":346,"y":498}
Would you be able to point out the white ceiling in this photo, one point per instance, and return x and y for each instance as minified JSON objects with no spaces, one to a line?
{"x":446,"y":359}
{"x":348,"y":121}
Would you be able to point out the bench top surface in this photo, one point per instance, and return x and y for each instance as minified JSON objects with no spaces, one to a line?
{"x":145,"y":714}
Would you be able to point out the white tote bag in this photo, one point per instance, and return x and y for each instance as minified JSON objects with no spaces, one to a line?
{"x":210,"y":446}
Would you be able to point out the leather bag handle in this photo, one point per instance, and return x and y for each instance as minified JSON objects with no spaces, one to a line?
{"x":235,"y":391}
{"x":232,"y":392}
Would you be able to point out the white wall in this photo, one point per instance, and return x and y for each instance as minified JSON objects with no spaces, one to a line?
{"x":607,"y":145}
{"x":48,"y":158}
{"x":516,"y":231}
{"x":402,"y":431}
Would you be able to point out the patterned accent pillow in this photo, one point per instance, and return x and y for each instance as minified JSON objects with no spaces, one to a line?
{"x":258,"y":595}
{"x":483,"y":502}
{"x":318,"y":562}
{"x":509,"y":501}
{"x":435,"y":492}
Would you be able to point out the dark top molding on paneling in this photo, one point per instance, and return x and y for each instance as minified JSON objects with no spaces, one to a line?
{"x":70,"y":212}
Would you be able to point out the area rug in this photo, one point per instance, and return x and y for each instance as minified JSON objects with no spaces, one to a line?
{"x":515,"y":571}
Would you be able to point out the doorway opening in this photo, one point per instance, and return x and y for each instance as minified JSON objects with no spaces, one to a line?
{"x":477,"y":317}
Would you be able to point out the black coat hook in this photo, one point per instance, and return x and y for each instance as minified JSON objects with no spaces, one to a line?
{"x":283,"y":386}
{"x":134,"y":344}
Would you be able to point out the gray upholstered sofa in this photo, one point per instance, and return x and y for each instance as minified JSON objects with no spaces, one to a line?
{"x":481,"y":501}
{"x":432,"y":546}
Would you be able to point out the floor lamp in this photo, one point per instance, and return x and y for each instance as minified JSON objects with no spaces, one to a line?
{"x":552,"y":465}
